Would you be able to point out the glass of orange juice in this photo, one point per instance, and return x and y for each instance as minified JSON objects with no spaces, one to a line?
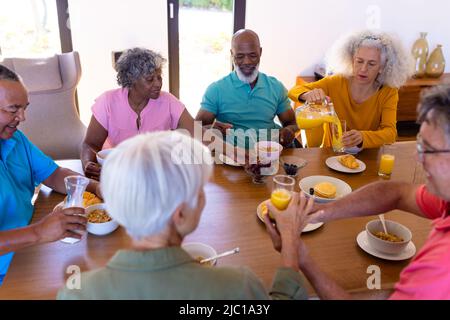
{"x":338,"y":128}
{"x":386,"y":160}
{"x":283,"y":186}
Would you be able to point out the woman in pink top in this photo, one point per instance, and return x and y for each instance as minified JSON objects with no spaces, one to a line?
{"x":138,"y":106}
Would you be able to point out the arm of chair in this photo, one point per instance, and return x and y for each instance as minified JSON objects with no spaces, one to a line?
{"x":70,"y":68}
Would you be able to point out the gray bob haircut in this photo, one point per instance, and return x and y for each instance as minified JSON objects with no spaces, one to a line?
{"x":434,"y":107}
{"x":396,"y":64}
{"x":136,"y":63}
{"x":144,"y":179}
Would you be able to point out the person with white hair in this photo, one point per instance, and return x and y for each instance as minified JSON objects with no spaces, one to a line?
{"x":369,"y":67}
{"x":427,"y":276}
{"x":153,"y":186}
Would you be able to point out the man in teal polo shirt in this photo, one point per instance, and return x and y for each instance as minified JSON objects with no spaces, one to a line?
{"x":247,"y":101}
{"x":22,"y":167}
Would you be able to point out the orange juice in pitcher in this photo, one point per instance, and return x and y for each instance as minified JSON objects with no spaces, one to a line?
{"x":312,"y":115}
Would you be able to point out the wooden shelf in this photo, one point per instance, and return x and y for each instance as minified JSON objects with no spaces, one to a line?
{"x":428,"y":82}
{"x":409,"y":95}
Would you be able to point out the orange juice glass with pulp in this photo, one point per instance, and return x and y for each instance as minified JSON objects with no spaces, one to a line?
{"x":387,"y":161}
{"x":283,"y":186}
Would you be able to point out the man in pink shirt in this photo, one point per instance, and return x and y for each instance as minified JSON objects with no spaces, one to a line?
{"x":428,"y":274}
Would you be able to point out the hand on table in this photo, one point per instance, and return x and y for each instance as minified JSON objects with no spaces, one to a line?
{"x":92,"y":170}
{"x":222,"y":127}
{"x":286,"y":136}
{"x":352,"y":138}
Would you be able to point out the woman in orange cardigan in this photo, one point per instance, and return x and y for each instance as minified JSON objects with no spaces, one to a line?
{"x":369,"y":68}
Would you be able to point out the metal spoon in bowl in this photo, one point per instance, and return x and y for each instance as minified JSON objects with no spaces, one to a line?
{"x":217,"y":256}
{"x":381,"y":216}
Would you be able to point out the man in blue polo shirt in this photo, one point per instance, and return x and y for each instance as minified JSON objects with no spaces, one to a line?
{"x":22,"y":167}
{"x":247,"y":100}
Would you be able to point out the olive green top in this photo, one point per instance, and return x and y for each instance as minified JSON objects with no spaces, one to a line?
{"x":170,"y":273}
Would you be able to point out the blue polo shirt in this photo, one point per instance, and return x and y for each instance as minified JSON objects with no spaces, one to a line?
{"x":233,"y":101}
{"x":22,"y":167}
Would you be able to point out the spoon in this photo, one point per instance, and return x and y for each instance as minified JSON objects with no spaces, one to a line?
{"x":217,"y":256}
{"x":381,"y":216}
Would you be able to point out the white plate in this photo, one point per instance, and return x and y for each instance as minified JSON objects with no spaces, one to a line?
{"x":342,"y":188}
{"x":409,"y":251}
{"x":333,"y":163}
{"x":309,"y":227}
{"x":227,"y":160}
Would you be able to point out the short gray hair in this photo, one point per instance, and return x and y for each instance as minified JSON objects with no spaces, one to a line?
{"x":397,"y":65}
{"x":136,"y":63}
{"x":7,"y":74}
{"x":142,"y":183}
{"x":434,"y":107}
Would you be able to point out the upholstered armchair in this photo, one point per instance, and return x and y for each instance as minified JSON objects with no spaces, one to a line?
{"x":52,"y":118}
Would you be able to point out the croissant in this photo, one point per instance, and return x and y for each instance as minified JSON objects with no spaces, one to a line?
{"x":349,"y":161}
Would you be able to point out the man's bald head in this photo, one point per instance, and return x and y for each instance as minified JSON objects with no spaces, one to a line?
{"x":245,"y":36}
{"x":246,"y":52}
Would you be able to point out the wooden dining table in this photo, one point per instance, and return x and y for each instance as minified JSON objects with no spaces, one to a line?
{"x":229,"y":220}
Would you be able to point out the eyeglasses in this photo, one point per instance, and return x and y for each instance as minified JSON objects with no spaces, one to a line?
{"x":421,"y":151}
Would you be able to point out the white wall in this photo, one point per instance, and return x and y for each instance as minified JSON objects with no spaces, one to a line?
{"x":102,"y":26}
{"x":295,"y":34}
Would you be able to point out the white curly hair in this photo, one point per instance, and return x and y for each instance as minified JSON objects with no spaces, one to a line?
{"x":397,"y":65}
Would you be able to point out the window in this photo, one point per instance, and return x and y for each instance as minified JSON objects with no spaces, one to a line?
{"x":29,"y":28}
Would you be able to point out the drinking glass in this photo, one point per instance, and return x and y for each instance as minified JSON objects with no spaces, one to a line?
{"x":386,"y":160}
{"x":337,"y":133}
{"x":282,"y":189}
{"x":75,"y":187}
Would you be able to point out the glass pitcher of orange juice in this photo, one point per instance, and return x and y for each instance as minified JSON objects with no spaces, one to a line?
{"x":312,"y":115}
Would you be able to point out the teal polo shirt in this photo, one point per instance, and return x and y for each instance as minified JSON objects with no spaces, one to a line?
{"x":234,"y":101}
{"x":22,"y":167}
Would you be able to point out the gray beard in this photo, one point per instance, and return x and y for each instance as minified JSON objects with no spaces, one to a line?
{"x":247,"y":79}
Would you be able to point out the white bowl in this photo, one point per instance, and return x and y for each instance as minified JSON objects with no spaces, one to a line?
{"x":198,"y":250}
{"x":100,"y":229}
{"x":265,"y":155}
{"x":393,"y":228}
{"x":102,"y":154}
{"x":342,"y":188}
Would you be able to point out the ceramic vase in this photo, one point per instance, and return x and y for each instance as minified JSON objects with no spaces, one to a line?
{"x":420,"y":47}
{"x":436,"y":63}
{"x":419,"y":52}
{"x":420,"y":67}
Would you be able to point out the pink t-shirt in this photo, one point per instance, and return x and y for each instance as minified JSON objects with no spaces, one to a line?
{"x":428,"y":275}
{"x":114,"y":113}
